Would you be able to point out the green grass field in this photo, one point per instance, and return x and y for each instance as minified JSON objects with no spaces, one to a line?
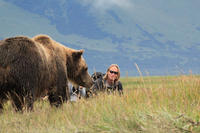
{"x":150,"y":104}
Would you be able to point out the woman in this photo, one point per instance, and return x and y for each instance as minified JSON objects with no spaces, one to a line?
{"x":110,"y":82}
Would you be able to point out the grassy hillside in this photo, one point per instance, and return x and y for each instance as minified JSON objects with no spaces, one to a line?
{"x":149,"y":104}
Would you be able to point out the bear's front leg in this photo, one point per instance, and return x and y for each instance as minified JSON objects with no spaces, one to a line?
{"x":55,"y":100}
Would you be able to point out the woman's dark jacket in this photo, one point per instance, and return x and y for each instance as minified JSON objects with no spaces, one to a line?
{"x":100,"y":85}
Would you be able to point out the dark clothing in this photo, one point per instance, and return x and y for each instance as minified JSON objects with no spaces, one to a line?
{"x":97,"y":75}
{"x":102,"y":85}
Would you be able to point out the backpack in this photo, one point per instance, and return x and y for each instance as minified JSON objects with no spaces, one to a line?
{"x":97,"y":75}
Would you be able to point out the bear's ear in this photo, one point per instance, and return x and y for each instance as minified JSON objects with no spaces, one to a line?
{"x":77,"y":54}
{"x":44,"y":39}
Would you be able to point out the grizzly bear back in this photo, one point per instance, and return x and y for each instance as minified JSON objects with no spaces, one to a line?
{"x":28,"y":64}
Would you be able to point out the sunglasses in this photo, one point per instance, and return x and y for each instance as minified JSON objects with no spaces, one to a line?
{"x":113,"y":72}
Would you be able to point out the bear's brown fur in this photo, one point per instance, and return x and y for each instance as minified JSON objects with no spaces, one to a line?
{"x":38,"y":66}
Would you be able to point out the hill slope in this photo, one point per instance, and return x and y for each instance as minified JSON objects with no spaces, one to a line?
{"x":162,"y":37}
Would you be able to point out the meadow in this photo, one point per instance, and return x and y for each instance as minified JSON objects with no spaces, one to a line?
{"x":151,"y":104}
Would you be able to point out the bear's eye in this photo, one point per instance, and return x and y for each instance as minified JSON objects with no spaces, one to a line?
{"x":84,"y":69}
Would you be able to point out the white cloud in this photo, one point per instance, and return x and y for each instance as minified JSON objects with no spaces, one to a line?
{"x":104,"y":5}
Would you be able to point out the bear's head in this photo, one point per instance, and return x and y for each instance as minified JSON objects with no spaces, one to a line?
{"x":77,"y":69}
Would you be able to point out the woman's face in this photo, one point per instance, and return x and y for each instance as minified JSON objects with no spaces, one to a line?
{"x":113,"y":73}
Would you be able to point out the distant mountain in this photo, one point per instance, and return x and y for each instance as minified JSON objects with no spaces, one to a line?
{"x":162,"y":37}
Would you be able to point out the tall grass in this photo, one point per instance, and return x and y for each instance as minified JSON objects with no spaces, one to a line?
{"x":149,"y":104}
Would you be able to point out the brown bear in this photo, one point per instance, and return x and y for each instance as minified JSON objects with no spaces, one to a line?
{"x":38,"y":66}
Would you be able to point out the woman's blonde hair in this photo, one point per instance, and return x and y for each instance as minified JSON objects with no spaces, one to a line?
{"x":118,"y":75}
